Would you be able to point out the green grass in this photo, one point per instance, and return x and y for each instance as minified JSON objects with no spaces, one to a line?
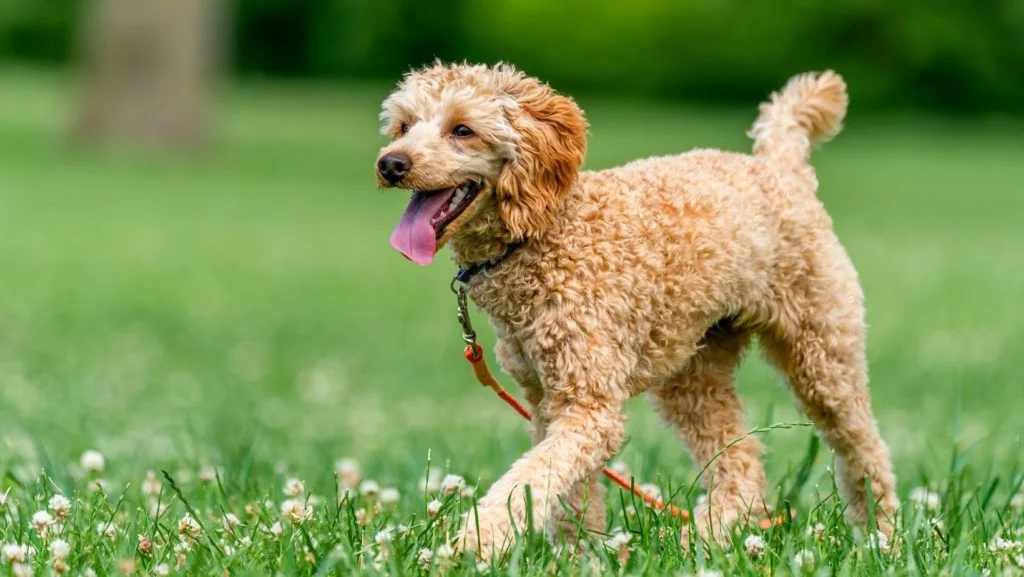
{"x":242,"y":312}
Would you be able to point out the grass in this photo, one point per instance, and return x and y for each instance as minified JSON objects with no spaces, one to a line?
{"x":238,"y":319}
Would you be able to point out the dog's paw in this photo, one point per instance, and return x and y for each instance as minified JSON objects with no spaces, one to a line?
{"x":714,"y":522}
{"x":484,"y":535}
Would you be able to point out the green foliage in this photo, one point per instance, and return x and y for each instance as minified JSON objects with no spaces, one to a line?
{"x":940,"y":53}
{"x":37,"y":29}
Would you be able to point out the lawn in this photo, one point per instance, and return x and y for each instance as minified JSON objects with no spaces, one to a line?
{"x":238,"y":319}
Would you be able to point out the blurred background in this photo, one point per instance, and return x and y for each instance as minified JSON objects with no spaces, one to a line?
{"x":194,"y":262}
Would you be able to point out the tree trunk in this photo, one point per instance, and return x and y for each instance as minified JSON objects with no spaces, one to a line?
{"x":147,"y":71}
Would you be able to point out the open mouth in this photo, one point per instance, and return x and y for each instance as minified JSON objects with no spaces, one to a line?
{"x":459,"y":199}
{"x":428,"y":216}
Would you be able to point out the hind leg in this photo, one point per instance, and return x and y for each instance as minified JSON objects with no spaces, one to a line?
{"x":822,"y":354}
{"x":701,"y":403}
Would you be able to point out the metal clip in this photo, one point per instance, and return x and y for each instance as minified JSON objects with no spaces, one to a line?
{"x":468,"y":334}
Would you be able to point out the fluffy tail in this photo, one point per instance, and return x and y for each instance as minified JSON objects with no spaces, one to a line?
{"x":808,"y":110}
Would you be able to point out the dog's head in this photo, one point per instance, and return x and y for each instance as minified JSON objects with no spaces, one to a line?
{"x":468,"y":140}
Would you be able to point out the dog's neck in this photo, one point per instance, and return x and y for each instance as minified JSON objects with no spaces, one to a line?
{"x":484,"y":239}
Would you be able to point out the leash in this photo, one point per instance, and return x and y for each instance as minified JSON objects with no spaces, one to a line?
{"x":474,"y":354}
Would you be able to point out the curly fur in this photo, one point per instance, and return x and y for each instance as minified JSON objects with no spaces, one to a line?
{"x":651,"y":277}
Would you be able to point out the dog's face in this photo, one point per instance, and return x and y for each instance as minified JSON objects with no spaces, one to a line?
{"x":470,"y":139}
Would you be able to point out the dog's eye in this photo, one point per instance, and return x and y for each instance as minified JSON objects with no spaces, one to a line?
{"x":403,"y":128}
{"x":462,"y":131}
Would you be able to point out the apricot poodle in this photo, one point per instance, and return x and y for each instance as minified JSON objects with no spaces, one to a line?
{"x":651,"y":277}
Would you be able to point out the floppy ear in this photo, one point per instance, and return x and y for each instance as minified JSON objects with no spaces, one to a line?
{"x":553,"y":142}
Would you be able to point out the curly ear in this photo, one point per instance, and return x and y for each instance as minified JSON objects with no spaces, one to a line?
{"x":553,"y":142}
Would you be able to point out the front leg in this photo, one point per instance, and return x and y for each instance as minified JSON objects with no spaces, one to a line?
{"x":579,"y":439}
{"x":585,"y":426}
{"x":585,"y":502}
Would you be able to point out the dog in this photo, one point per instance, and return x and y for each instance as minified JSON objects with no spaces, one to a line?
{"x":650,"y":277}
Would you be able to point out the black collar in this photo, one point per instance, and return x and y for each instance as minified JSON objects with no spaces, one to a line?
{"x":466,"y":273}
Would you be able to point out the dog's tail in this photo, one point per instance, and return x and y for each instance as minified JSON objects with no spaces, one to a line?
{"x":808,"y":110}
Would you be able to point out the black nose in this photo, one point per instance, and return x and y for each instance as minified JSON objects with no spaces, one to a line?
{"x":394,"y":166}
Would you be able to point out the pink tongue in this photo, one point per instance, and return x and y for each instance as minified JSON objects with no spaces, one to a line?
{"x":414,"y":236}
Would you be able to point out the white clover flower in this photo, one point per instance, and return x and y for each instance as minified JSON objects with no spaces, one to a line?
{"x":145,"y":546}
{"x":183,"y":476}
{"x":432,"y":482}
{"x":379,"y":559}
{"x":21,"y":570}
{"x":924,"y":498}
{"x":651,"y":489}
{"x":389,"y":497}
{"x":1017,"y":502}
{"x":89,"y":572}
{"x":60,"y":549}
{"x":93,"y":461}
{"x":619,"y":466}
{"x":231,"y":521}
{"x":108,"y":530}
{"x":157,"y":508}
{"x":60,"y":505}
{"x":348,"y":472}
{"x":482,"y":567}
{"x":182,"y":547}
{"x":936,"y":523}
{"x":467,"y":492}
{"x":595,"y":566}
{"x":878,"y":539}
{"x":369,"y":489}
{"x":16,"y":553}
{"x":433,"y":507}
{"x":162,"y":570}
{"x":99,"y":485}
{"x":1000,"y":545}
{"x":189,"y":529}
{"x":295,"y":511}
{"x":294,"y":487}
{"x":362,"y":517}
{"x":208,"y":474}
{"x":754,"y":545}
{"x":276,"y":530}
{"x":444,"y":553}
{"x":618,"y":539}
{"x":384,"y":536}
{"x":452,"y":484}
{"x":151,"y":485}
{"x":41,"y":520}
{"x":818,"y":531}
{"x":709,"y":573}
{"x":424,"y":557}
{"x":804,"y":560}
{"x":345,"y":493}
